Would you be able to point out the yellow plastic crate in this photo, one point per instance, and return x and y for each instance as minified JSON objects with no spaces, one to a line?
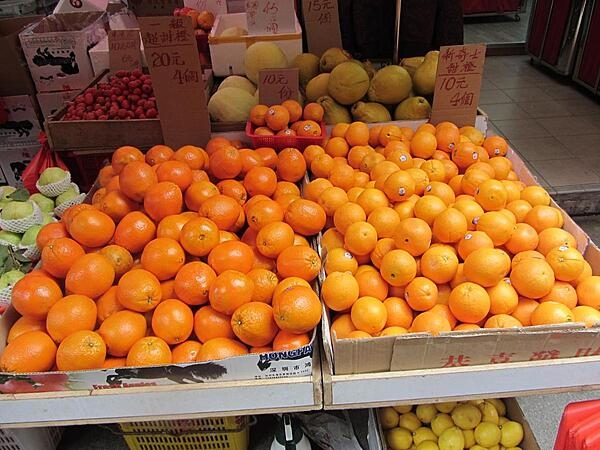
{"x":230,"y":433}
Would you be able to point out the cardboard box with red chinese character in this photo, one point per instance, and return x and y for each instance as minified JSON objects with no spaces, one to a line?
{"x":485,"y":346}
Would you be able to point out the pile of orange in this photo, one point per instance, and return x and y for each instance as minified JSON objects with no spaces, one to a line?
{"x":287,"y":119}
{"x":430,"y":230}
{"x":184,"y":255}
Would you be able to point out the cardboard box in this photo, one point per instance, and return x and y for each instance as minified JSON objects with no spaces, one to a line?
{"x":22,"y":128}
{"x":14,"y":76}
{"x":513,"y":412}
{"x":13,"y":162}
{"x":100,"y":59}
{"x":50,"y":102}
{"x":227,"y":53}
{"x":480,"y":347}
{"x":56,"y":49}
{"x":284,"y":364}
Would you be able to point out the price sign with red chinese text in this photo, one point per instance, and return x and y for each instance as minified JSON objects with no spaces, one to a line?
{"x":458,"y":84}
{"x":277,"y":85}
{"x":124,"y":50}
{"x":172,"y":55}
{"x":321,"y":25}
{"x":270,"y":17}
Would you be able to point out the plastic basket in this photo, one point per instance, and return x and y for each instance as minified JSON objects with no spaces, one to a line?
{"x":281,"y":142}
{"x":193,"y":434}
{"x":42,"y":438}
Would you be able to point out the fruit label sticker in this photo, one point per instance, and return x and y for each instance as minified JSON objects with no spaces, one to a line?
{"x":172,"y":54}
{"x":124,"y":50}
{"x":321,"y":25}
{"x":145,"y":8}
{"x":270,"y":17}
{"x":277,"y":85}
{"x":214,"y":6}
{"x":458,"y":84}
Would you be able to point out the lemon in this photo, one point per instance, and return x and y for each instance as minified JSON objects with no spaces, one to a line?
{"x":399,"y":438}
{"x":502,"y":420}
{"x":499,"y":404}
{"x":512,"y":433}
{"x":466,"y":416}
{"x":402,"y":409}
{"x":427,"y":445}
{"x":426,"y":412}
{"x":451,"y":439}
{"x":388,"y":417}
{"x":445,"y":407}
{"x":410,"y":421}
{"x":469,"y":436}
{"x":487,"y":434}
{"x":441,"y":422}
{"x":511,"y":448}
{"x":477,"y":447}
{"x":423,"y":434}
{"x":488,"y":412}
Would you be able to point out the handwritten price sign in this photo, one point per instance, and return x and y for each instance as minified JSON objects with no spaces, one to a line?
{"x":124,"y":49}
{"x":214,"y":6}
{"x":321,"y":25}
{"x":458,"y":84}
{"x":270,"y":16}
{"x":172,"y":55}
{"x":277,"y":85}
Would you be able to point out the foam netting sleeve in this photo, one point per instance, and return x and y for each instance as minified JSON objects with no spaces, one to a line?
{"x":55,"y":189}
{"x":22,"y":225}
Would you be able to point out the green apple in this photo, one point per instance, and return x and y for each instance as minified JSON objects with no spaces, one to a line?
{"x":46,"y":204}
{"x":52,"y":175}
{"x":11,"y":277}
{"x":10,"y":237}
{"x":16,"y":210}
{"x":29,"y":236}
{"x":69,"y":194}
{"x":47,"y":218}
{"x":5,"y":191}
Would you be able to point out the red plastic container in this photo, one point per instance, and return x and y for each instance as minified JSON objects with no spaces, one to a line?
{"x":573,"y":414}
{"x":281,"y":142}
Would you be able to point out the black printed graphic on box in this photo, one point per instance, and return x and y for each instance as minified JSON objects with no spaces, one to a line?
{"x":68,"y":64}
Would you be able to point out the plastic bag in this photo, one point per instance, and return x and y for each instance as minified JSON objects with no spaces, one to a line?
{"x":42,"y":160}
{"x":328,"y":431}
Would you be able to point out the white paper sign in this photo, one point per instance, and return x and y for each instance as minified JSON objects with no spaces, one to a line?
{"x":69,"y":6}
{"x":270,"y":17}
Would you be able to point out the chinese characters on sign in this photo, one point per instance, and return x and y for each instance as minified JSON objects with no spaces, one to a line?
{"x":172,"y":55}
{"x":277,"y":85}
{"x":270,"y":16}
{"x":124,"y":50}
{"x":457,"y":85}
{"x":321,"y":25}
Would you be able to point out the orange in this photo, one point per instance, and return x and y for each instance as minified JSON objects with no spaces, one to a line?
{"x":313,"y":189}
{"x":524,"y":309}
{"x":470,"y":209}
{"x":257,"y":115}
{"x":172,"y":321}
{"x":469,"y":302}
{"x":221,"y":348}
{"x":587,"y":272}
{"x":421,"y":294}
{"x":439,"y":264}
{"x":430,"y":322}
{"x":532,"y":278}
{"x":360,"y":238}
{"x":423,"y":144}
{"x":170,"y":226}
{"x":389,"y":133}
{"x":548,"y":313}
{"x":268,"y":155}
{"x":149,"y":351}
{"x":503,"y":297}
{"x":225,"y":163}
{"x":253,"y":324}
{"x":105,"y":174}
{"x":158,"y":154}
{"x":331,"y":198}
{"x":421,"y":179}
{"x":305,"y":217}
{"x":383,"y":246}
{"x":535,"y":195}
{"x":262,"y":212}
{"x":399,"y":313}
{"x":71,"y":313}
{"x":502,"y":321}
{"x":342,"y":326}
{"x":441,"y":190}
{"x":58,"y":255}
{"x":339,"y":291}
{"x":342,"y":176}
{"x":449,"y":226}
{"x":444,"y":310}
{"x":472,"y":241}
{"x":135,"y":179}
{"x":116,"y":205}
{"x":163,"y":199}
{"x":277,"y":117}
{"x":210,"y":324}
{"x":199,"y":236}
{"x":524,"y":238}
{"x":471,"y":180}
{"x":124,"y":155}
{"x":447,"y":136}
{"x":553,"y":237}
{"x":198,"y":192}
{"x":119,"y":257}
{"x":272,"y":239}
{"x":91,"y":228}
{"x":399,"y":186}
{"x":231,"y":255}
{"x":260,"y":180}
{"x":336,"y":146}
{"x":134,"y":231}
{"x":562,"y":292}
{"x":289,"y":341}
{"x":216,"y":142}
{"x":107,"y":304}
{"x":428,"y":207}
{"x":298,"y":261}
{"x":176,"y":172}
{"x":434,"y":169}
{"x":502,"y":167}
{"x":24,"y":325}
{"x":291,"y":165}
{"x":30,"y":352}
{"x":121,"y":330}
{"x":371,"y":282}
{"x":497,"y":226}
{"x":250,"y":159}
{"x":81,"y":350}
{"x":297,"y":309}
{"x":588,"y":292}
{"x":224,"y":211}
{"x":527,"y":254}
{"x":347,"y":214}
{"x":464,"y":155}
{"x":369,"y":314}
{"x":495,"y":146}
{"x":230,"y":290}
{"x":163,"y":257}
{"x":357,"y":134}
{"x":139,"y":290}
{"x":413,"y":235}
{"x":294,"y":108}
{"x":50,"y":231}
{"x":398,"y":267}
{"x":586,"y":315}
{"x":491,"y":195}
{"x":487,"y":266}
{"x":194,"y":157}
{"x":91,"y":274}
{"x":566,"y":262}
{"x":186,"y":352}
{"x":265,"y":282}
{"x":541,"y":217}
